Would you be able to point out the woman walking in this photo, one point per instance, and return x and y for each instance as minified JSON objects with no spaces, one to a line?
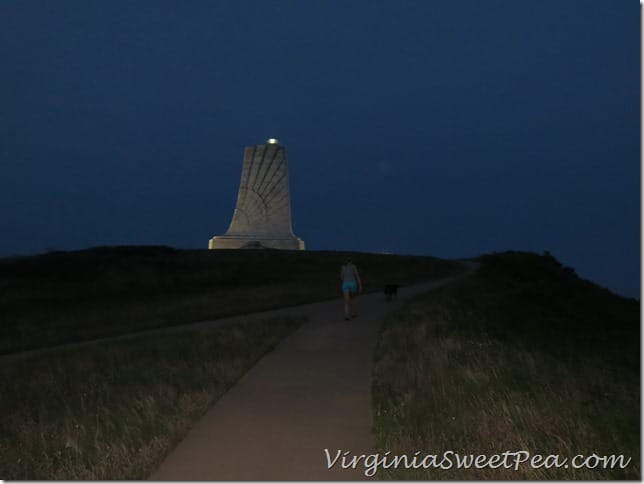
{"x":351,"y":285}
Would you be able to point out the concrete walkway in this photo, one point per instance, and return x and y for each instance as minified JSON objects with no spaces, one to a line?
{"x":313,"y":392}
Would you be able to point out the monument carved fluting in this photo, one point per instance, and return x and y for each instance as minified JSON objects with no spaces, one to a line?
{"x":262,"y":216}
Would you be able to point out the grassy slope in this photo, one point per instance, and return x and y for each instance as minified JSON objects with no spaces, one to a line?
{"x":71,"y":296}
{"x":114,"y":411}
{"x":522,"y":356}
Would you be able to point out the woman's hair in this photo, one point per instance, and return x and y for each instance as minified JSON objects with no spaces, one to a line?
{"x":348,"y":261}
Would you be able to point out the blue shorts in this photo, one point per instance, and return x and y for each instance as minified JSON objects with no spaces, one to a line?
{"x":349,"y":286}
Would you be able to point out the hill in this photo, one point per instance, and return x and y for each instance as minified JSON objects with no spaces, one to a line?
{"x":522,"y":357}
{"x":62,"y":297}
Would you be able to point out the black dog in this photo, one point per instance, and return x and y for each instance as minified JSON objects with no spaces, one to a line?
{"x":391,"y":291}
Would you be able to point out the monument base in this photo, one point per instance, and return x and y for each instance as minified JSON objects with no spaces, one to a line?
{"x":256,"y":241}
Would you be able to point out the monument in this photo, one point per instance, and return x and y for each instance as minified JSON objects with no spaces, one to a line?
{"x":262,"y":217}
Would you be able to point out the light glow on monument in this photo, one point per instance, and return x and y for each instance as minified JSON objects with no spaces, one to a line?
{"x":272,"y":141}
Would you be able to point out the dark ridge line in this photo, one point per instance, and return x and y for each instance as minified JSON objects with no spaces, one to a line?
{"x":244,"y":180}
{"x":266,"y":185}
{"x":256,"y":167}
{"x":278,"y":183}
{"x":277,"y":151}
{"x":244,"y":185}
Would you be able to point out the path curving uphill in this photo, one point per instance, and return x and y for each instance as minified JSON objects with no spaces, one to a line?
{"x":313,"y":392}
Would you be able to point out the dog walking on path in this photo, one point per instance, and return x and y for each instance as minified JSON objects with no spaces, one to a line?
{"x":391,"y":291}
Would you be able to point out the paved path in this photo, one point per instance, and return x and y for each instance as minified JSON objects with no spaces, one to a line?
{"x":312,"y":392}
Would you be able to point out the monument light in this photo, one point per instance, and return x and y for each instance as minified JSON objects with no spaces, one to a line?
{"x":272,"y":141}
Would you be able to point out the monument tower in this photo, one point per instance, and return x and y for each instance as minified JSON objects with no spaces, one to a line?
{"x":262,"y":217}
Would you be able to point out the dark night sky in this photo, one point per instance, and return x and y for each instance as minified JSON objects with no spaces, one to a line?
{"x":445,"y":128}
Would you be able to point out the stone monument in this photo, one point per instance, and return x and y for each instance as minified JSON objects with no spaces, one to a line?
{"x":262,"y":217}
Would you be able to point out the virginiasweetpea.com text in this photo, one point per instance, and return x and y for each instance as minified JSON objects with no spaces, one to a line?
{"x":511,"y":460}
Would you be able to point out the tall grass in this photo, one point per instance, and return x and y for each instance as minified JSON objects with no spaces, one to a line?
{"x":523,"y":356}
{"x":116,"y":410}
{"x":73,"y":296}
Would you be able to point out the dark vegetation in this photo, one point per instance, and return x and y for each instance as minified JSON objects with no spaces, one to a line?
{"x":569,"y":317}
{"x":62,"y":297}
{"x":522,"y":356}
{"x":115,"y":410}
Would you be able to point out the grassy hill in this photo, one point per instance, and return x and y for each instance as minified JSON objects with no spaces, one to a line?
{"x":63,"y":297}
{"x":523,"y":356}
{"x":115,"y":410}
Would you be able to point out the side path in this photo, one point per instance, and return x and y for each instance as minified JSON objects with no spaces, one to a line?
{"x":312,"y":392}
{"x":270,"y":313}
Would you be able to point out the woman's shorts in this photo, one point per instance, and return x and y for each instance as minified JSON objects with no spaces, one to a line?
{"x":349,"y":286}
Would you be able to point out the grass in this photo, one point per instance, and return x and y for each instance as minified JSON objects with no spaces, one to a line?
{"x":522,"y":356}
{"x":115,"y":411}
{"x":65,"y":297}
